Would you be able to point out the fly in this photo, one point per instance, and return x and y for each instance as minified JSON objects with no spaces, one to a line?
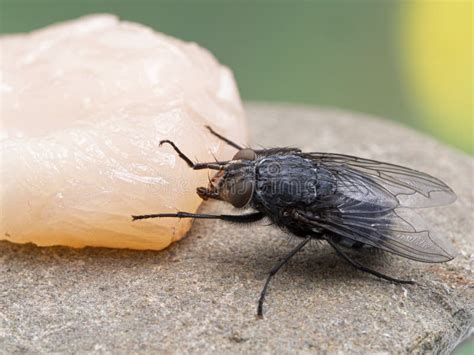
{"x":347,"y":201}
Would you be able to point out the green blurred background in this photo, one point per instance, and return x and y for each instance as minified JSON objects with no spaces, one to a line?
{"x":408,"y":61}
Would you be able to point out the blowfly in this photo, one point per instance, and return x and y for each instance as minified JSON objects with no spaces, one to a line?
{"x":346,"y":201}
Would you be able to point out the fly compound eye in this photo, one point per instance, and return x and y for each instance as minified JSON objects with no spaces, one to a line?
{"x":245,"y":154}
{"x":240,"y":193}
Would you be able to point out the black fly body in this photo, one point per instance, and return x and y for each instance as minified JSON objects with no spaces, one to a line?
{"x":346,"y":201}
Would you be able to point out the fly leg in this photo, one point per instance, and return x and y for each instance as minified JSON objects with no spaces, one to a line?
{"x":224,"y":139}
{"x":243,"y":218}
{"x":363,"y":268}
{"x":274,"y":270}
{"x":218,"y":165}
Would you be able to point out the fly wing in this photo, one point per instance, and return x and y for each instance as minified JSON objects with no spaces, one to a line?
{"x":383,"y":184}
{"x":400,"y":231}
{"x":372,"y":203}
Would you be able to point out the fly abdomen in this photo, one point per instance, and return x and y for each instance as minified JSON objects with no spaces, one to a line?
{"x":349,"y":243}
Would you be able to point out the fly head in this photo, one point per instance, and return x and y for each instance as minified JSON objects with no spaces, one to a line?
{"x":235,"y":183}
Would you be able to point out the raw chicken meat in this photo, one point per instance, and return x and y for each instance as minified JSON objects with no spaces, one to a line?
{"x":84,"y":105}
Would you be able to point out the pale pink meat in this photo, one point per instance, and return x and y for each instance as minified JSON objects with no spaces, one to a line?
{"x":84,"y":105}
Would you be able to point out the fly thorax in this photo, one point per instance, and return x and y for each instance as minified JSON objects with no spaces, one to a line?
{"x":286,"y":180}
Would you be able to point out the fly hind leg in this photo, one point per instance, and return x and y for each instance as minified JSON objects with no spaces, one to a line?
{"x":363,"y":268}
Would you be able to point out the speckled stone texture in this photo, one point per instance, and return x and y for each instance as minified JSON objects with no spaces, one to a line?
{"x":200,"y":295}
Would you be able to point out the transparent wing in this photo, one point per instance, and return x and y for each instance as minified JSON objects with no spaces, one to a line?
{"x":383,"y":184}
{"x":400,"y":231}
{"x":372,"y":203}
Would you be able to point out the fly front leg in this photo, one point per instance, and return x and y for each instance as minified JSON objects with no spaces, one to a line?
{"x":243,"y":218}
{"x":218,"y":165}
{"x":224,"y":139}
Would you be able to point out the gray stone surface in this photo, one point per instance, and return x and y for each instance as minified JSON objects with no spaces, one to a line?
{"x":200,"y":294}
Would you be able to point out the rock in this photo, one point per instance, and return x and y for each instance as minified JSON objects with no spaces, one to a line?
{"x":200,"y":294}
